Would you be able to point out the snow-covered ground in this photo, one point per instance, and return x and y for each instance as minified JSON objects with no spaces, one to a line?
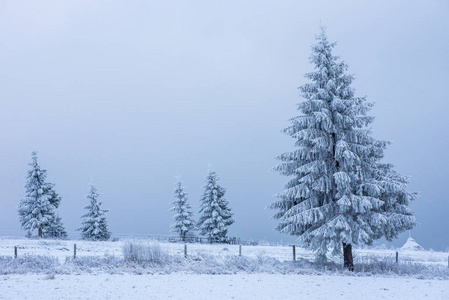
{"x":238,"y":286}
{"x":216,"y":271}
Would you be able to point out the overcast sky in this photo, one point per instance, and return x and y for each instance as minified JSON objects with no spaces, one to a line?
{"x":133,"y":93}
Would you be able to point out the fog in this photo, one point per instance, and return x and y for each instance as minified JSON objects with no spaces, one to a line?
{"x":134,"y":93}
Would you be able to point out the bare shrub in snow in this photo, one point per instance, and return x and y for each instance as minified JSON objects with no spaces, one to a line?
{"x":27,"y":264}
{"x":87,"y":263}
{"x":145,"y":254}
{"x":50,"y":276}
{"x":373,"y":265}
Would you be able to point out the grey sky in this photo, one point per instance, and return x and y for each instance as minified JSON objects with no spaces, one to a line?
{"x":134,"y":92}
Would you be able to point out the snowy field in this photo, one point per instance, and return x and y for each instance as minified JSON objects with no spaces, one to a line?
{"x":238,"y":286}
{"x":45,"y":269}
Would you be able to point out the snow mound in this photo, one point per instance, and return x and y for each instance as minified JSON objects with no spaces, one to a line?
{"x":412,"y":245}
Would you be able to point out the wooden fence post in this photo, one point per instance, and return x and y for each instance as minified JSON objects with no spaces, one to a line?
{"x":240,"y":250}
{"x":448,"y":261}
{"x":185,"y":250}
{"x":294,"y":253}
{"x":397,"y":257}
{"x":15,"y":251}
{"x":74,"y":250}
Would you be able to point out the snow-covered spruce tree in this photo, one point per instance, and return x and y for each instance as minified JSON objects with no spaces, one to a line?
{"x":341,"y":193}
{"x":55,"y":230}
{"x":215,"y":213}
{"x":37,"y":210}
{"x":94,"y":226}
{"x":183,"y":223}
{"x":55,"y":199}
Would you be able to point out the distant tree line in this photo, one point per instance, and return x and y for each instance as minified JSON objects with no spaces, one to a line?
{"x":38,"y":210}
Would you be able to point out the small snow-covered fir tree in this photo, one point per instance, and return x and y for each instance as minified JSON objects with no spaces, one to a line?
{"x":183,"y":223}
{"x":55,"y":199}
{"x":55,"y":230}
{"x":37,"y":211}
{"x":216,"y":216}
{"x":94,"y":226}
{"x":340,"y":192}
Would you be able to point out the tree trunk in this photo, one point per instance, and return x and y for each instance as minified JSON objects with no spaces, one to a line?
{"x":40,"y":232}
{"x":337,"y":166}
{"x":347,"y":257}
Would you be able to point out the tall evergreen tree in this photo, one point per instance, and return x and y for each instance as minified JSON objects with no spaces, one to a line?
{"x":341,"y":193}
{"x":94,"y":226}
{"x":183,"y":223}
{"x":37,"y":211}
{"x":216,"y":216}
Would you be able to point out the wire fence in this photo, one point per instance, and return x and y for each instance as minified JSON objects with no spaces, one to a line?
{"x":172,"y":238}
{"x":11,"y":244}
{"x":194,"y":246}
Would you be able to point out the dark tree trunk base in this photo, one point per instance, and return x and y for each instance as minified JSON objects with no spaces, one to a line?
{"x":347,"y":257}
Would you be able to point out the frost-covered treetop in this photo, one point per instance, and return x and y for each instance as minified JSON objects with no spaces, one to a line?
{"x":36,"y":176}
{"x":94,"y":211}
{"x":92,"y":196}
